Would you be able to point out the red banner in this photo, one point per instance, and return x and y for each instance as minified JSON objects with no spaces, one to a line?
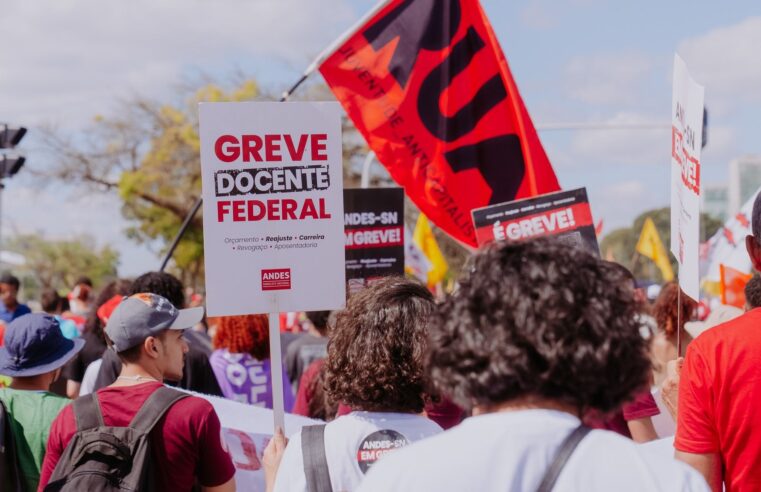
{"x":427,"y":85}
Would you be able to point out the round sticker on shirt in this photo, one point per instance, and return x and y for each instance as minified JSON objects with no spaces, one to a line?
{"x":377,"y":445}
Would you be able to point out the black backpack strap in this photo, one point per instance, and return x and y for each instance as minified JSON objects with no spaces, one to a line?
{"x":87,"y":412}
{"x":561,"y":458}
{"x":155,"y":407}
{"x":10,"y":473}
{"x":315,"y":460}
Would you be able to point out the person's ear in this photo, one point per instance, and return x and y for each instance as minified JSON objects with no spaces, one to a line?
{"x":754,"y":251}
{"x":151,"y":347}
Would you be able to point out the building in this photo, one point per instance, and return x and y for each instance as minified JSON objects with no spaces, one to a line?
{"x":716,"y":201}
{"x":744,"y":181}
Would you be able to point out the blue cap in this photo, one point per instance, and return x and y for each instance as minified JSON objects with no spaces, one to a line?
{"x":35,"y":345}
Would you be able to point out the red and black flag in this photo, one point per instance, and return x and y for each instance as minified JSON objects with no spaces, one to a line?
{"x":426,"y":83}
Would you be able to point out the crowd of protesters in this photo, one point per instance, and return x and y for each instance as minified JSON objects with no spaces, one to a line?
{"x":545,"y":369}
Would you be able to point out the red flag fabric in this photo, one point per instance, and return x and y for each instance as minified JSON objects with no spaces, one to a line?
{"x":733,"y":286}
{"x":426,"y":83}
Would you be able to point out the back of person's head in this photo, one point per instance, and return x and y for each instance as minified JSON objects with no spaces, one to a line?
{"x":50,"y":301}
{"x":93,"y":323}
{"x":319,"y":320}
{"x":248,"y":334}
{"x":666,"y":309}
{"x":753,"y":242}
{"x":375,"y":354}
{"x":83,"y":280}
{"x":36,"y":348}
{"x":753,"y":292}
{"x":10,"y":280}
{"x":162,"y":284}
{"x":540,"y":320}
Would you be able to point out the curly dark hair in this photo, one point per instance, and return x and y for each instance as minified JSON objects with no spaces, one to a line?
{"x":248,"y":334}
{"x":376,"y":348}
{"x":162,"y":284}
{"x":753,"y":292}
{"x":539,"y":319}
{"x":665,"y":310}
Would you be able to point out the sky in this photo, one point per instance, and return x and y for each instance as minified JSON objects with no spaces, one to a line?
{"x":575,"y":61}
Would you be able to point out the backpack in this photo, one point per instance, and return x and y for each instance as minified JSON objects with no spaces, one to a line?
{"x":10,"y":474}
{"x":101,"y":458}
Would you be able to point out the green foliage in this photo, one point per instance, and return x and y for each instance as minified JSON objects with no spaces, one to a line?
{"x":58,"y":263}
{"x":620,"y":243}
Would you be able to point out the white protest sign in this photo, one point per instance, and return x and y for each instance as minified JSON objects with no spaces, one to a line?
{"x":273,"y":207}
{"x":686,"y":139}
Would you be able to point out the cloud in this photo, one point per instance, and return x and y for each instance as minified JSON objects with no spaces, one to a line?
{"x":607,"y":78}
{"x":617,"y":204}
{"x":59,"y":213}
{"x":629,"y":146}
{"x":70,"y":59}
{"x":727,"y":60}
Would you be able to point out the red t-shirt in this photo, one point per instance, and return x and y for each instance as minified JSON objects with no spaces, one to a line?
{"x":719,"y":407}
{"x":189,"y":444}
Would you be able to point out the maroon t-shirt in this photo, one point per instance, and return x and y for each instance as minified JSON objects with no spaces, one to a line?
{"x":642,"y":406}
{"x":305,"y":393}
{"x":186,"y":443}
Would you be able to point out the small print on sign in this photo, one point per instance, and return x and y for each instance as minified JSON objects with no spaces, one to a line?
{"x":276,"y":279}
{"x":377,"y":445}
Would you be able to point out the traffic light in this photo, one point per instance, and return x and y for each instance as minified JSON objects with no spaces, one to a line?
{"x":10,"y":165}
{"x":11,"y":136}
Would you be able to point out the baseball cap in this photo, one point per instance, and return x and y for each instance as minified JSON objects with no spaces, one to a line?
{"x":145,"y":315}
{"x":34,"y":345}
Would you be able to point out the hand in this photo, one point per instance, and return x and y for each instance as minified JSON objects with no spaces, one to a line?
{"x":271,"y":457}
{"x":670,"y":386}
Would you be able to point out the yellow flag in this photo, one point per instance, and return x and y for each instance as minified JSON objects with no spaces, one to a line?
{"x":650,"y":246}
{"x":423,"y":237}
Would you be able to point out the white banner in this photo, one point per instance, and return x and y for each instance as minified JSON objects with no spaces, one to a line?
{"x":273,"y":207}
{"x":246,"y":430}
{"x":686,"y":139}
{"x":727,"y":246}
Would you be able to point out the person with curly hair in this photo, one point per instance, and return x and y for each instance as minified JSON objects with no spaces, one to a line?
{"x":670,"y":322}
{"x":241,"y":361}
{"x":537,"y":333}
{"x":375,"y":366}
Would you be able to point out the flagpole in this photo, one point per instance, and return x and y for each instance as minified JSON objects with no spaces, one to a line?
{"x":325,"y":54}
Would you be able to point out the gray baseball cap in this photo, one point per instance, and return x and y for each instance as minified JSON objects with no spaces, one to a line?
{"x":146,"y":315}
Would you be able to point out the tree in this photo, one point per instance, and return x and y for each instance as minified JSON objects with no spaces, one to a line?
{"x":620,"y":243}
{"x":148,"y":153}
{"x":58,"y":263}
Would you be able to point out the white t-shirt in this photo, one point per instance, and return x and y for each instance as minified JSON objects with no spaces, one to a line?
{"x":352,"y":443}
{"x":88,"y":380}
{"x":510,"y":451}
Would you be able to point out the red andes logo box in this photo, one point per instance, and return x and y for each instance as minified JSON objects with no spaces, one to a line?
{"x":276,"y":279}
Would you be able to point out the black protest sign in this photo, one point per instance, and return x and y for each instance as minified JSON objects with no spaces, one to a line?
{"x":564,"y":213}
{"x":374,"y":230}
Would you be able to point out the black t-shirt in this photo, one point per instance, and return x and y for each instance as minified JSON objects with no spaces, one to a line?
{"x":74,"y":370}
{"x":196,"y":375}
